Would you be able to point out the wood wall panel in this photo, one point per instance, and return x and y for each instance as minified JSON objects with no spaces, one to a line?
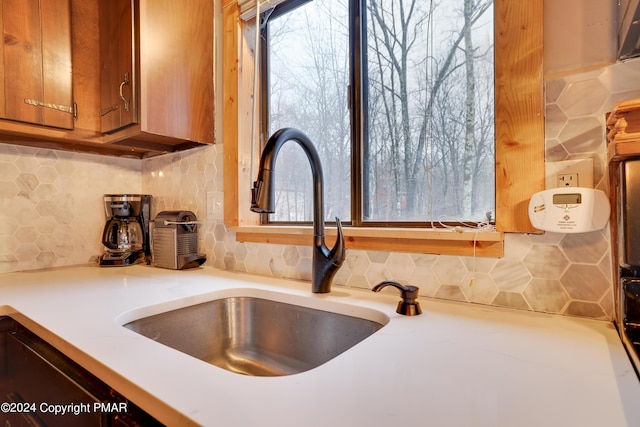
{"x":519,"y":111}
{"x":230,"y":55}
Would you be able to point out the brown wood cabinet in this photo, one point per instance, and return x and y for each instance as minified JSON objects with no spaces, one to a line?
{"x":157,"y":54}
{"x":35,"y":62}
{"x":157,"y":69}
{"x":118,"y":103}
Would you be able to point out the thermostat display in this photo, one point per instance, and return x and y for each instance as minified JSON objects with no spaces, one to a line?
{"x":569,"y":210}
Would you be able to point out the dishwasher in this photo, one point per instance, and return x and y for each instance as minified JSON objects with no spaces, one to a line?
{"x":40,"y":386}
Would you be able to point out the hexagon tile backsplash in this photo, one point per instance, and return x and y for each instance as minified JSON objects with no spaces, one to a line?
{"x":51,"y":214}
{"x":51,"y":209}
{"x":555,"y":273}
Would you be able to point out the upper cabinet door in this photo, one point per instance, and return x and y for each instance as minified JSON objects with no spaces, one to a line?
{"x":176,"y":69}
{"x":118,"y":74}
{"x":35,"y":68}
{"x":157,"y":67}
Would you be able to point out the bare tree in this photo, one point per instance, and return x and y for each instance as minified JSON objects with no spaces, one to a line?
{"x":397,"y":47}
{"x":314,"y":67}
{"x":430,"y":110}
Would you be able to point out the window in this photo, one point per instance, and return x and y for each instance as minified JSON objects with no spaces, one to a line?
{"x":519,"y":140}
{"x":397,"y":96}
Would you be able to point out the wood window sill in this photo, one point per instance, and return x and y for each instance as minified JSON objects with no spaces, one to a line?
{"x":420,"y":240}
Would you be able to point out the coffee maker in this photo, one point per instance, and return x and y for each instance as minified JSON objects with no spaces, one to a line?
{"x":126,"y":233}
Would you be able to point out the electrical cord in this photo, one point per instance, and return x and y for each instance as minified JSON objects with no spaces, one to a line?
{"x":466,"y":226}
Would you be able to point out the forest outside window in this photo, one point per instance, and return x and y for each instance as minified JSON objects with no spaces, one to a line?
{"x":397,"y":96}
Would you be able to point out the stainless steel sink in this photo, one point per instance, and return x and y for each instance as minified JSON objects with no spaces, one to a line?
{"x":255,"y":336}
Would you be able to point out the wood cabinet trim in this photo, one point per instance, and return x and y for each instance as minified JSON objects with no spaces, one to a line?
{"x":623,"y":131}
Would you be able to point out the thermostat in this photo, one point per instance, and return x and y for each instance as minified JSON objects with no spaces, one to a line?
{"x":569,"y":210}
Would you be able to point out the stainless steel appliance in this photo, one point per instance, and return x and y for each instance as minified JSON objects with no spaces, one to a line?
{"x":126,"y":233}
{"x":628,"y":29}
{"x":628,"y":230}
{"x":175,"y":240}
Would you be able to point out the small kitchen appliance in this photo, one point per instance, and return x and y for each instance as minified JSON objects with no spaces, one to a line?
{"x":126,"y":233}
{"x":175,"y":240}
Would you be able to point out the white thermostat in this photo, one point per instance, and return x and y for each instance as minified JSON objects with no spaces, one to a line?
{"x":569,"y":210}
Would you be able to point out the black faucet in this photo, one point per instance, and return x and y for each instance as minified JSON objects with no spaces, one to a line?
{"x":325,"y":261}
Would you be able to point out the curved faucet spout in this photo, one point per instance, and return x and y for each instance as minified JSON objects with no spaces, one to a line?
{"x":325,"y":262}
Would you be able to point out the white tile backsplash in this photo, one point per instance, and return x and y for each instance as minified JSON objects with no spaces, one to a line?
{"x":51,"y":210}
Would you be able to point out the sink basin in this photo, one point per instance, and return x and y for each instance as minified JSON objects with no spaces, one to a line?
{"x":256,"y":336}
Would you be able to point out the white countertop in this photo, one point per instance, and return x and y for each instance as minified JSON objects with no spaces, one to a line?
{"x":454,"y":365}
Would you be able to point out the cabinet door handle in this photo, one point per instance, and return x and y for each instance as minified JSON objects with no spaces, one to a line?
{"x":105,"y":111}
{"x":125,"y":100}
{"x":36,"y":103}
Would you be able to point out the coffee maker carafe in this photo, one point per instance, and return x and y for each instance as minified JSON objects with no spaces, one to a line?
{"x":126,"y":233}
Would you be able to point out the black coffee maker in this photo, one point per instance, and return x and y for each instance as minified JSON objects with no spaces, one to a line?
{"x":126,"y":233}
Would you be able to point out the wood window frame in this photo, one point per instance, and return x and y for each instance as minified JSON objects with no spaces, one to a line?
{"x":519,"y":128}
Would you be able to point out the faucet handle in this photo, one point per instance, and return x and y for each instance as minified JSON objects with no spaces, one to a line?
{"x":408,"y":306}
{"x":255,"y":195}
{"x":337,"y":253}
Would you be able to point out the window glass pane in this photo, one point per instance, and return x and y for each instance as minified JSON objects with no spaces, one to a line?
{"x":308,"y":79}
{"x":429,"y":152}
